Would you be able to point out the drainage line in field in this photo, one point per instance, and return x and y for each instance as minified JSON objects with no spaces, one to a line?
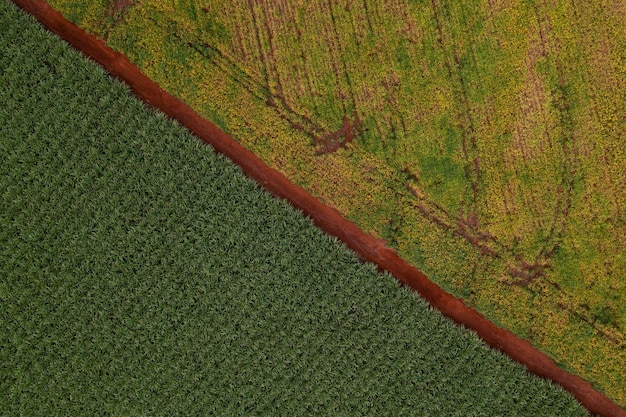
{"x":326,"y":218}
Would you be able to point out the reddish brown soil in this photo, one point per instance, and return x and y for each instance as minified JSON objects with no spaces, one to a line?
{"x":340,"y":138}
{"x":325,"y":217}
{"x":122,"y":4}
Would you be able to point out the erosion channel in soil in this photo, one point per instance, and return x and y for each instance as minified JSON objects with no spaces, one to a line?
{"x":325,"y":217}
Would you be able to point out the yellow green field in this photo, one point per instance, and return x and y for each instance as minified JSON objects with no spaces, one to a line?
{"x":482,"y":140}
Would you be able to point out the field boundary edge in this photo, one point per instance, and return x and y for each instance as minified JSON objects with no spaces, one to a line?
{"x":325,"y":217}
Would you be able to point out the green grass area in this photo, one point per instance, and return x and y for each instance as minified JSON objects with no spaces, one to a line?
{"x":142,"y":274}
{"x":489,"y":137}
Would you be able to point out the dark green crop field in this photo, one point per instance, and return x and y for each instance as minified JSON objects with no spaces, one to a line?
{"x":484,"y":140}
{"x":142,"y":274}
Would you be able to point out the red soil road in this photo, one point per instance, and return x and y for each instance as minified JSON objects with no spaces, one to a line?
{"x":325,"y":217}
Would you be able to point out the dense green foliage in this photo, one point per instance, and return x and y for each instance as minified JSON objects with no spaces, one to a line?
{"x":142,"y":274}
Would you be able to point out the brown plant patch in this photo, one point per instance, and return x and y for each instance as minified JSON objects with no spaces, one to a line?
{"x":120,"y":5}
{"x":339,"y":138}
